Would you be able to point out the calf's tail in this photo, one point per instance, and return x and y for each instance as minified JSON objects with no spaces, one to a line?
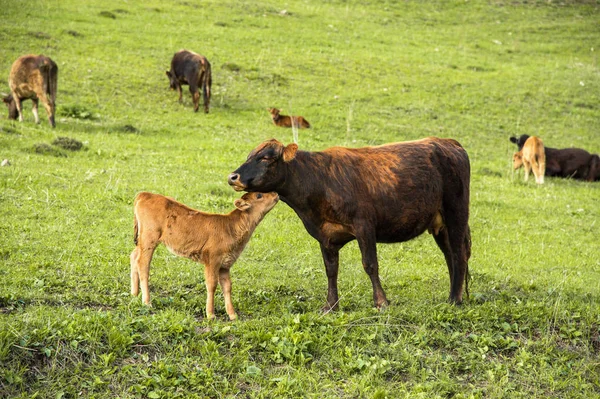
{"x":135,"y":230}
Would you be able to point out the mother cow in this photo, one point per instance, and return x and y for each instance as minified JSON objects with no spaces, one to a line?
{"x":390,"y":193}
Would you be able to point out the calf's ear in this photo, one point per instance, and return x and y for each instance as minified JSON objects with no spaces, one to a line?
{"x":289,"y":152}
{"x":241,"y":204}
{"x":168,"y":73}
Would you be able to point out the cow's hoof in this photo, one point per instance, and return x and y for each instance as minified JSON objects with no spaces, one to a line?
{"x":327,"y":308}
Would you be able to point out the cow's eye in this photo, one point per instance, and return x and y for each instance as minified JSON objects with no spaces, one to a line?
{"x":266,"y":158}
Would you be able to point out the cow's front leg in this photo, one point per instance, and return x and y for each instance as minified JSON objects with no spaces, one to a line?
{"x":331,"y":258}
{"x":368,"y":249}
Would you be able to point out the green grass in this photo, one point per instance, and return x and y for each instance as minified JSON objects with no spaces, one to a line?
{"x":362,"y":73}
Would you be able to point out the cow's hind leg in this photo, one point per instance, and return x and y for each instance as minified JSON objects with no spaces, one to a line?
{"x":331,"y":258}
{"x":443,"y":242}
{"x":195,"y":96}
{"x":368,"y":249}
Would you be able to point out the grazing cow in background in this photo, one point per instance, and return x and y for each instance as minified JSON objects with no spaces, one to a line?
{"x":532,"y":157}
{"x":390,"y":193}
{"x":32,"y":77}
{"x":568,"y":162}
{"x":189,"y":68}
{"x":211,"y":239}
{"x":288,"y":121}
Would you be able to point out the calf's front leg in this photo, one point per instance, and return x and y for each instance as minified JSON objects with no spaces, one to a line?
{"x":225,"y":282}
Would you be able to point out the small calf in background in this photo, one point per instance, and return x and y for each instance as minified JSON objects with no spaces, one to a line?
{"x":189,"y":68}
{"x":533,"y":158}
{"x":214,"y":240}
{"x":288,"y":121}
{"x":32,"y":77}
{"x":573,"y":163}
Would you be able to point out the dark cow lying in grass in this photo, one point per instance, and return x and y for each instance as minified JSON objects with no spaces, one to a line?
{"x":32,"y":77}
{"x":567,"y":162}
{"x":390,"y":193}
{"x":189,"y":68}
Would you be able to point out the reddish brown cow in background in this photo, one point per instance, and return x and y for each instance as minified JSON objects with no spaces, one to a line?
{"x":288,"y":121}
{"x":194,"y":70}
{"x":568,"y":162}
{"x":32,"y":77}
{"x":390,"y":193}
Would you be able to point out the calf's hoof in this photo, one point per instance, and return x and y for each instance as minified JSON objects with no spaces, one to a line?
{"x":233,"y":317}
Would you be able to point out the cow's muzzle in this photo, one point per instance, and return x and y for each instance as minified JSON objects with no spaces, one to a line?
{"x":234,"y":181}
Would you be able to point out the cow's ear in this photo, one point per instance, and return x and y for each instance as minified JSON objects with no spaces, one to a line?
{"x":289,"y":152}
{"x":168,"y":73}
{"x":513,"y":140}
{"x":241,"y":204}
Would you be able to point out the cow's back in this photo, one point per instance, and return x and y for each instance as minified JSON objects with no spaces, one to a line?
{"x":400,"y":186}
{"x":32,"y":74}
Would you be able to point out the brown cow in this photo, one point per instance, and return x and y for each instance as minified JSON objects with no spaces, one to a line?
{"x":32,"y":77}
{"x":211,"y":239}
{"x":532,"y":157}
{"x":573,"y":163}
{"x":390,"y":193}
{"x":288,"y":121}
{"x":189,"y":68}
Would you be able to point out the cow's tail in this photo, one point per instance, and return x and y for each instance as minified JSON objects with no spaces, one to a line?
{"x":594,"y":170}
{"x":50,"y":71}
{"x":206,"y":84}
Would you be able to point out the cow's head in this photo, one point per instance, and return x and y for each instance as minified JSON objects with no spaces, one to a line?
{"x":517,"y":160}
{"x":520,"y":142}
{"x":13,"y":113}
{"x":172,"y":80}
{"x":265,"y":168}
{"x":274,"y":112}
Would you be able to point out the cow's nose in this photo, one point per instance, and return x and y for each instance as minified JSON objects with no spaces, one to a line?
{"x":234,"y":177}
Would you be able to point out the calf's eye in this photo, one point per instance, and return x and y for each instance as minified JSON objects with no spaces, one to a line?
{"x":259,"y":196}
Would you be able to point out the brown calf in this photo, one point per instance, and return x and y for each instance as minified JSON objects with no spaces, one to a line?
{"x":532,"y":157}
{"x":214,"y":240}
{"x":194,"y":70}
{"x":32,"y":77}
{"x":288,"y":121}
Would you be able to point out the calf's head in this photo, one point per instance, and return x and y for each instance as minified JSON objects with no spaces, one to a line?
{"x":517,"y":160}
{"x":274,"y":112}
{"x":13,"y":113}
{"x":257,"y":202}
{"x":265,"y":168}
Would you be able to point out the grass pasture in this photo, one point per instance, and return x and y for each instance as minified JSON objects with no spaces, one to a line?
{"x":363,"y":73}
